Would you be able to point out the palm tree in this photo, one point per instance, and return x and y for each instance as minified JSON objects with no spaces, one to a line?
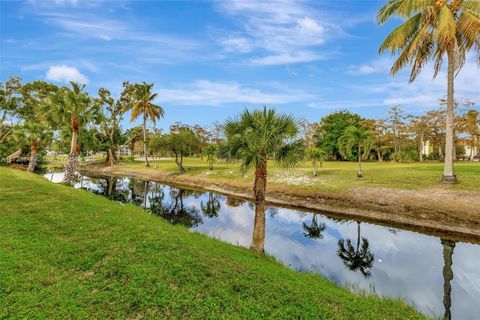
{"x":433,"y":29}
{"x":360,"y":138}
{"x":141,"y":104}
{"x":211,"y":152}
{"x":448,"y":246}
{"x":75,"y":108}
{"x":317,"y":156}
{"x":253,"y":138}
{"x":314,"y":231}
{"x":211,"y":207}
{"x":37,"y":135}
{"x":359,"y":258}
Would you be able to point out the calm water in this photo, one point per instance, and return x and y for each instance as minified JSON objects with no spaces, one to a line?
{"x":436,"y":276}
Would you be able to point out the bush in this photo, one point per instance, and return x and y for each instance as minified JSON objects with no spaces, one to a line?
{"x":406,"y":156}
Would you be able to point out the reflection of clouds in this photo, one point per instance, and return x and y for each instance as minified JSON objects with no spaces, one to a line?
{"x":411,"y":263}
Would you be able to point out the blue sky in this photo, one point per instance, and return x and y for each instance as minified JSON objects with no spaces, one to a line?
{"x":209,"y":60}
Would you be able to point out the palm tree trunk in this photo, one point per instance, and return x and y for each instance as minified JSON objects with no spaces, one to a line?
{"x":32,"y":163}
{"x":448,"y":247}
{"x":314,"y":164}
{"x":448,"y":172}
{"x":358,"y":236}
{"x":145,"y":151}
{"x":74,"y":152}
{"x":259,"y":189}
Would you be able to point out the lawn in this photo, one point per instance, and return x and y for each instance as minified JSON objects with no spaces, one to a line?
{"x":67,"y":253}
{"x":335,"y":175}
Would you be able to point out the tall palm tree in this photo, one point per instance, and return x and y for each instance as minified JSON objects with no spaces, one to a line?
{"x":434,"y":29}
{"x":141,"y":104}
{"x":359,"y":258}
{"x":448,"y":246}
{"x":253,"y":138}
{"x":72,"y":107}
{"x":37,"y":135}
{"x":314,"y":231}
{"x":359,"y":138}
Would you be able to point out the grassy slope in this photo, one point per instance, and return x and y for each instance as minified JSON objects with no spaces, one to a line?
{"x":66,"y":253}
{"x":338,"y":176}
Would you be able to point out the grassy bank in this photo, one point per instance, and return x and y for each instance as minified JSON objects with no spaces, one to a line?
{"x":334,"y":176}
{"x":66,"y":253}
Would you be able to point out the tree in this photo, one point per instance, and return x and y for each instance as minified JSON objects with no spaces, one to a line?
{"x":359,"y":258}
{"x":253,"y":138}
{"x":140,"y":102}
{"x":112,"y":114}
{"x":470,"y":124}
{"x":433,"y":30}
{"x":332,"y":127}
{"x":316,"y":156}
{"x":419,"y":126}
{"x":180,"y":143}
{"x":314,"y":231}
{"x":211,"y":152}
{"x":72,"y":108}
{"x":35,"y":130}
{"x":359,"y":138}
{"x":134,"y":135}
{"x":10,"y":103}
{"x":396,"y":123}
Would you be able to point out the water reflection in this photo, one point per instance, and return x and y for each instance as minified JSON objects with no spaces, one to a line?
{"x":448,"y":247}
{"x":359,"y":258}
{"x":315,"y":229}
{"x":413,"y":266}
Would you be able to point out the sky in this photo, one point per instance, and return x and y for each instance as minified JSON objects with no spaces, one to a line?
{"x":211,"y":59}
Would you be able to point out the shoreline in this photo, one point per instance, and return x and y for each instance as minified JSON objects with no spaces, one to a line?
{"x":384,"y":206}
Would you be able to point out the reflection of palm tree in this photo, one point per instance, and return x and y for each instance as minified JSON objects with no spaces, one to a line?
{"x":360,"y":258}
{"x":258,"y":237}
{"x":212,"y":207}
{"x":448,"y":246}
{"x":315,"y":230}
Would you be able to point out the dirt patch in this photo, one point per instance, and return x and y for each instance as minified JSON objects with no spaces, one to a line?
{"x":448,"y":214}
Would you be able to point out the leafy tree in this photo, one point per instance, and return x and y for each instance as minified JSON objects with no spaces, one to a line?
{"x":419,"y":126}
{"x":359,"y":138}
{"x":211,"y":152}
{"x":253,"y":138}
{"x":433,"y":30}
{"x":112,"y":115}
{"x":133,"y":135}
{"x":396,"y":123}
{"x":358,"y":258}
{"x":139,"y":100}
{"x":470,"y":124}
{"x":35,"y":131}
{"x":331,"y":128}
{"x":180,"y":143}
{"x":10,"y":103}
{"x":72,"y":108}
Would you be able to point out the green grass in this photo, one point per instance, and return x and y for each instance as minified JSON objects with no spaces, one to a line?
{"x":67,"y":253}
{"x":336,"y":175}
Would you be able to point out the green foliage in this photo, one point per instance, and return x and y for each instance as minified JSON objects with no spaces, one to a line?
{"x":138,"y":98}
{"x":256,"y":136}
{"x":211,"y":152}
{"x":356,"y":138}
{"x":332,"y":127}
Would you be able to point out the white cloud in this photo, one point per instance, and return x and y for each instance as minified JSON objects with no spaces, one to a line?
{"x":381,"y":65}
{"x":287,"y":58}
{"x":64,"y":73}
{"x":279,"y":30}
{"x":208,"y":93}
